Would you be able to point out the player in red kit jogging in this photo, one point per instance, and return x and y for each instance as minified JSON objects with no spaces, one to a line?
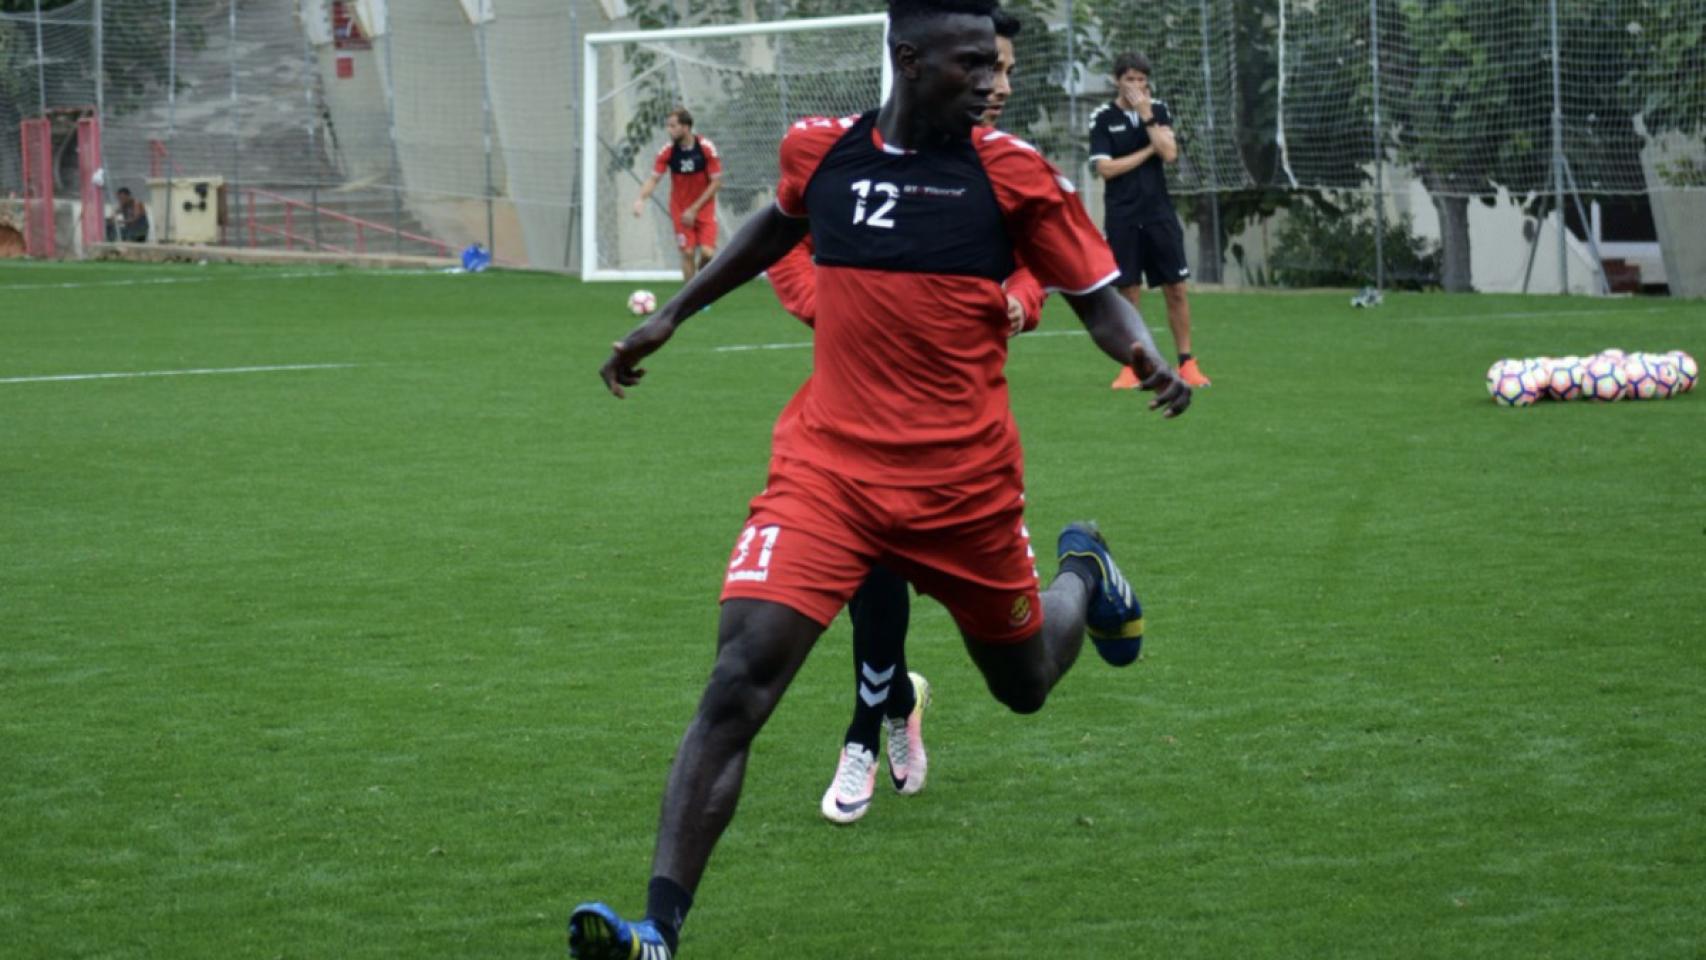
{"x":889,"y":699}
{"x":695,"y":175}
{"x":900,"y":448}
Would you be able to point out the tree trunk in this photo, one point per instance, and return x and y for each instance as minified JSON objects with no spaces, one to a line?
{"x":1208,"y":245}
{"x":1454,"y":243}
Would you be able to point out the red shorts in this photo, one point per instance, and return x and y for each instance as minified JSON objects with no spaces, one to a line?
{"x":703,"y":233}
{"x":812,"y":536}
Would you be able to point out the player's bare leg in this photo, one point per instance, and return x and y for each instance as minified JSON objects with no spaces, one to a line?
{"x":705,"y":254}
{"x":1179,"y":321}
{"x":1090,"y":593}
{"x":689,"y":264}
{"x":1127,"y":380}
{"x":760,"y":647}
{"x":1020,"y":675}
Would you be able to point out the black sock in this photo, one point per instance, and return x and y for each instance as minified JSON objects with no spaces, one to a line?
{"x":879,"y":611}
{"x":667,"y":903}
{"x":1184,"y":358}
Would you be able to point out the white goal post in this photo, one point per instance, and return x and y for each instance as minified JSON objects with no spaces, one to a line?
{"x":743,"y":83}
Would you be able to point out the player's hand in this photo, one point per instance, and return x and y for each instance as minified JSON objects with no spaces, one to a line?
{"x":1172,"y":395}
{"x":688,"y":218}
{"x":1015,"y":316}
{"x":1141,"y":101}
{"x":622,"y":369}
{"x":639,"y":207}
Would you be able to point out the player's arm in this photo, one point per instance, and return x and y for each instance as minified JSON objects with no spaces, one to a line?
{"x":646,"y":190}
{"x":692,"y":211}
{"x":766,"y":237}
{"x":1119,"y":332}
{"x":1102,"y":160}
{"x":1024,"y":301}
{"x":1110,"y":167}
{"x":1159,"y":124}
{"x":1162,"y":142}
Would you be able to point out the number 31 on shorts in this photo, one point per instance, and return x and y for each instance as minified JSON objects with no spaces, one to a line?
{"x":749,"y":564}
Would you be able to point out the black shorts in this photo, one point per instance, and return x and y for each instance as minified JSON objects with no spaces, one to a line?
{"x":1153,"y":250}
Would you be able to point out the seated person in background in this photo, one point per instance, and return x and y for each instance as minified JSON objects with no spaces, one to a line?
{"x":130,"y":221}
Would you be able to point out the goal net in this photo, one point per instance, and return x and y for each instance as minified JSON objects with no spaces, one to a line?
{"x":744,"y":84}
{"x":1465,"y":94}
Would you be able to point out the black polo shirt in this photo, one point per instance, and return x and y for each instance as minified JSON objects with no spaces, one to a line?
{"x":1139,"y":196}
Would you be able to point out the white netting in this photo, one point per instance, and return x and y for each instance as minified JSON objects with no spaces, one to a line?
{"x":743,"y":90}
{"x":436,"y":131}
{"x":47,"y":71}
{"x":1466,"y":91}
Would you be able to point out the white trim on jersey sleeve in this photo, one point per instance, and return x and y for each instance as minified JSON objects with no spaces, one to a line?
{"x":1099,"y":284}
{"x":1099,"y":156}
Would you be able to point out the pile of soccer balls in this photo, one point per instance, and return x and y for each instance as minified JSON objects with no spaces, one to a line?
{"x":1606,"y":376}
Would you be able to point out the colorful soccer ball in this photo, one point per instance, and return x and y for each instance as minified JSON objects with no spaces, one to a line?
{"x":1603,"y":380}
{"x":1566,"y":381}
{"x":642,"y":302}
{"x":1665,"y":374}
{"x":1688,"y":371}
{"x":1641,"y":384}
{"x":1500,"y":369}
{"x":1516,"y":388}
{"x":1541,"y":368}
{"x":1612,"y":353}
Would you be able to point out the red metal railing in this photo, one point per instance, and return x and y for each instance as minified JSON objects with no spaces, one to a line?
{"x":256,"y":229}
{"x":160,"y":158}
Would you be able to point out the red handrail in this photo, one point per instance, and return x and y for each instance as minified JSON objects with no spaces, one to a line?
{"x":361,"y":226}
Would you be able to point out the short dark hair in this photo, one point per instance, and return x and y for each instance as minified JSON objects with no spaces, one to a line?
{"x":1006,"y":25}
{"x":682,"y":117}
{"x":1131,"y":61}
{"x":124,"y":191}
{"x":904,"y":11}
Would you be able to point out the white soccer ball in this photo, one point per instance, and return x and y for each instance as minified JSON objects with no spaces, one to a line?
{"x":642,"y":302}
{"x":1517,"y":388}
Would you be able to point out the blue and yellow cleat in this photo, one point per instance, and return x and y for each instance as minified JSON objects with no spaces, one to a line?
{"x":1114,"y":617}
{"x":597,"y":932}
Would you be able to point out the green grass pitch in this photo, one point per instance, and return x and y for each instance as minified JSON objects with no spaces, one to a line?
{"x":389,"y":658}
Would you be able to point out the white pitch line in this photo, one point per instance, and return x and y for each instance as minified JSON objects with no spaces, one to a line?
{"x":745,"y":347}
{"x":258,"y":277}
{"x":7,"y":288}
{"x":178,"y":373}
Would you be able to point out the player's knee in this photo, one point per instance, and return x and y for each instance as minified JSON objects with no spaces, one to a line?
{"x":1022,"y":690}
{"x":1021,"y":699}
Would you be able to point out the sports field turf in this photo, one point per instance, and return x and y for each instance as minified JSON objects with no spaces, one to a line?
{"x":388,"y":659}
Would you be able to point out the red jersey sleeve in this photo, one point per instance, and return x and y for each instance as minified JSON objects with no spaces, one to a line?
{"x":1051,"y":231}
{"x":803,"y":148}
{"x":794,"y":278}
{"x":713,"y":159}
{"x":660,"y":163}
{"x":1023,"y":286}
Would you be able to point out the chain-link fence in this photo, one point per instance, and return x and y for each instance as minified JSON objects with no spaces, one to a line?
{"x":1321,"y":140}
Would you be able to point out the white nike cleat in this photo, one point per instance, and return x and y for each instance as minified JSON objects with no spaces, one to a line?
{"x":907,"y":760}
{"x":849,"y":794}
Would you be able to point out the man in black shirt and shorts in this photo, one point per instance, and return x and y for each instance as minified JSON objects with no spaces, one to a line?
{"x":1131,"y":139}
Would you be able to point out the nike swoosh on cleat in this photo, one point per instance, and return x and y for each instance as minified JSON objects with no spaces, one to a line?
{"x":899,"y":781}
{"x":851,"y":807}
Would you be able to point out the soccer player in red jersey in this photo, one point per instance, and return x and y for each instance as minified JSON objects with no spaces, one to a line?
{"x":888,"y":698}
{"x":900,"y":448}
{"x":695,"y":175}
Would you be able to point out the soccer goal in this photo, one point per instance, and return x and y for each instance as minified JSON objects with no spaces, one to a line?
{"x":743,"y":83}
